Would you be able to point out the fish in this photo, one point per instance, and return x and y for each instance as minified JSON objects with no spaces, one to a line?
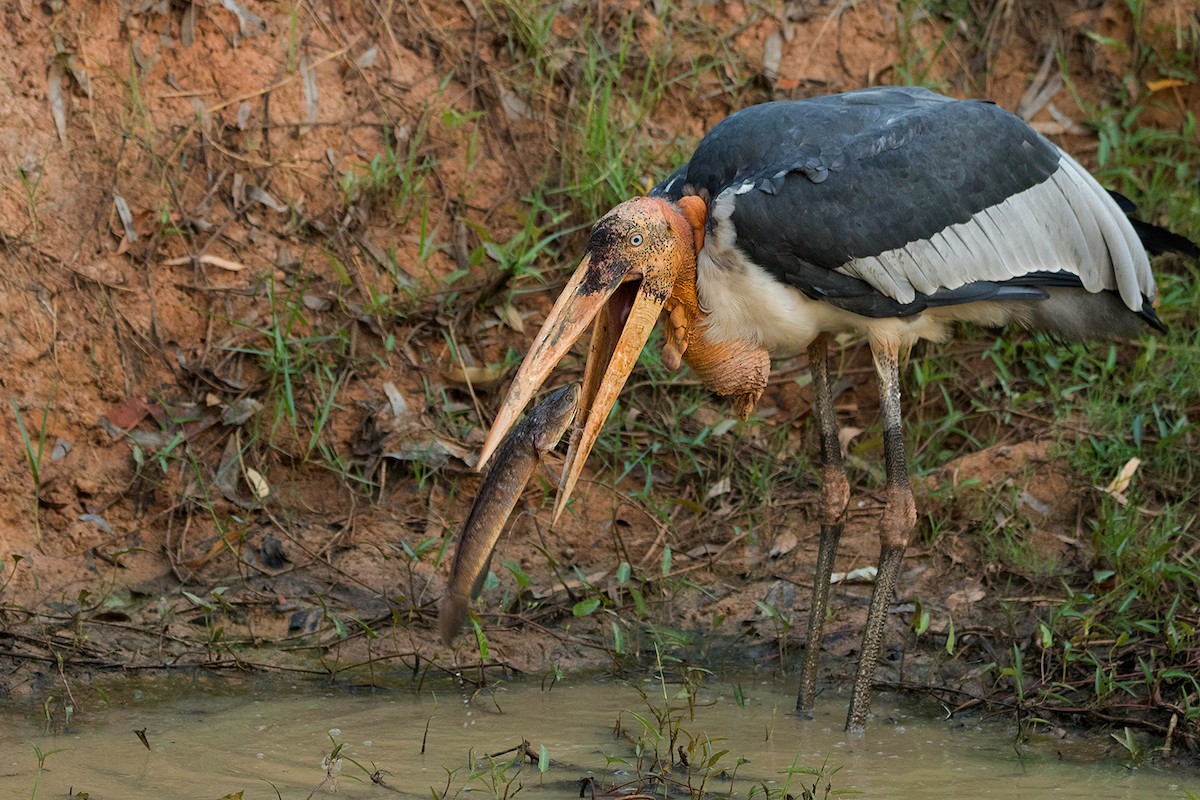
{"x":513,"y":466}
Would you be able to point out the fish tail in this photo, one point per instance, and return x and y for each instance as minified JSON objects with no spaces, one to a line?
{"x":451,"y":615}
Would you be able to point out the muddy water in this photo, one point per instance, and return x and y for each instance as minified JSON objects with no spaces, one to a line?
{"x":208,"y":744}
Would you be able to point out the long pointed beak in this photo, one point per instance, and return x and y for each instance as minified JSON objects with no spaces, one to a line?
{"x":635,"y":255}
{"x":575,"y":308}
{"x":625,"y":311}
{"x":608,"y":368}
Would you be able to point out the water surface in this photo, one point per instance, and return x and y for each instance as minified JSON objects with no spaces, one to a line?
{"x":207,"y":744}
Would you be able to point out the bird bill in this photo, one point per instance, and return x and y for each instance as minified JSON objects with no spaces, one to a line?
{"x":621,"y":285}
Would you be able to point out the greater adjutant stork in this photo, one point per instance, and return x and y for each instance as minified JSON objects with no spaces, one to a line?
{"x":889,"y":212}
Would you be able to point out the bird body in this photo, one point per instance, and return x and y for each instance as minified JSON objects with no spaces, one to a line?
{"x":907,"y":211}
{"x":891,"y":212}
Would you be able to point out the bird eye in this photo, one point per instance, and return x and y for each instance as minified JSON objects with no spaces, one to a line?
{"x":636,"y":240}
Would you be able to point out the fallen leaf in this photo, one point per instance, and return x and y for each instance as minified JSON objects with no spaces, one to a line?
{"x":240,"y":412}
{"x":259,"y":195}
{"x":187,"y":26}
{"x":772,"y":55}
{"x":367,"y":59}
{"x":96,"y":520}
{"x":124,"y":416}
{"x":1165,"y":83}
{"x":860,"y":575}
{"x":102,"y":272}
{"x":396,"y":400}
{"x":958,"y":601}
{"x":509,"y":315}
{"x":58,"y":107}
{"x":314,"y":303}
{"x":783,"y":545}
{"x":717,"y":489}
{"x":249,"y":24}
{"x":846,"y":436}
{"x":258,"y":484}
{"x":704,"y":550}
{"x":1035,"y":505}
{"x":79,"y":73}
{"x":214,"y":261}
{"x":311,"y":94}
{"x":1120,"y":484}
{"x":475,"y":376}
{"x":126,"y":217}
{"x":514,"y":107}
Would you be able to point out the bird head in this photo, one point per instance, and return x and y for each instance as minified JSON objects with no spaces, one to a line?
{"x":635,"y":255}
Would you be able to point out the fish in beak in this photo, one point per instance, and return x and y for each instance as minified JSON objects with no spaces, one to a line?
{"x":629,"y":270}
{"x":516,"y":461}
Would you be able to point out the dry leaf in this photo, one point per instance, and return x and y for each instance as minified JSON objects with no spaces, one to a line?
{"x":784,"y":544}
{"x":80,"y":74}
{"x":187,"y":26}
{"x":509,"y":315}
{"x":126,"y":217}
{"x":122,"y":417}
{"x":717,"y":489}
{"x":704,"y":550}
{"x":772,"y":55}
{"x":396,"y":400}
{"x":258,"y":484}
{"x":213,"y":261}
{"x":860,"y":575}
{"x":262,"y":196}
{"x":475,"y":376}
{"x":249,"y":24}
{"x":58,"y":108}
{"x":1165,"y":83}
{"x":367,"y":59}
{"x":311,"y":93}
{"x":1033,"y":504}
{"x":846,"y":436}
{"x":514,"y":107}
{"x":1120,"y":484}
{"x":958,"y":602}
{"x":102,"y":272}
{"x":217,"y":261}
{"x":241,"y":411}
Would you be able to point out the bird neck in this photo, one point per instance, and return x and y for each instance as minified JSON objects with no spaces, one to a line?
{"x":736,"y":368}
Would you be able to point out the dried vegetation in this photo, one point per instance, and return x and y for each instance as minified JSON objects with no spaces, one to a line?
{"x":267,"y":267}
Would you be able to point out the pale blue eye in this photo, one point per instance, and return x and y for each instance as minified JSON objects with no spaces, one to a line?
{"x":636,"y":240}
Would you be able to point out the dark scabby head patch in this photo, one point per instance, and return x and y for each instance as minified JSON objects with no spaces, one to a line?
{"x":605,"y":251}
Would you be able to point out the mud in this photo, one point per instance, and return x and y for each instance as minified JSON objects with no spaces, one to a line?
{"x":176,"y":188}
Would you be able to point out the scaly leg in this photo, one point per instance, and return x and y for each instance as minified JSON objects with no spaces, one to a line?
{"x":835,"y":494}
{"x":899,"y":516}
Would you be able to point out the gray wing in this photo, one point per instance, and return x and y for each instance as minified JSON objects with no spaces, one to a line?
{"x":888,"y":201}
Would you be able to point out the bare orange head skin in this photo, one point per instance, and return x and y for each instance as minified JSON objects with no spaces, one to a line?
{"x":628,"y":270}
{"x":640,"y":260}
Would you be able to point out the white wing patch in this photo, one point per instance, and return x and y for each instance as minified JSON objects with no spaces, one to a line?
{"x":1066,"y":223}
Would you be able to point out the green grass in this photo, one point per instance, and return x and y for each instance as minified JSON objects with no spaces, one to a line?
{"x":599,"y":89}
{"x":1101,"y":403}
{"x":605,"y":97}
{"x":33,"y":447}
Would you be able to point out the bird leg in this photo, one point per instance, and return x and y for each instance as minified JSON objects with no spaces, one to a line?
{"x":835,"y":494}
{"x":899,"y":516}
